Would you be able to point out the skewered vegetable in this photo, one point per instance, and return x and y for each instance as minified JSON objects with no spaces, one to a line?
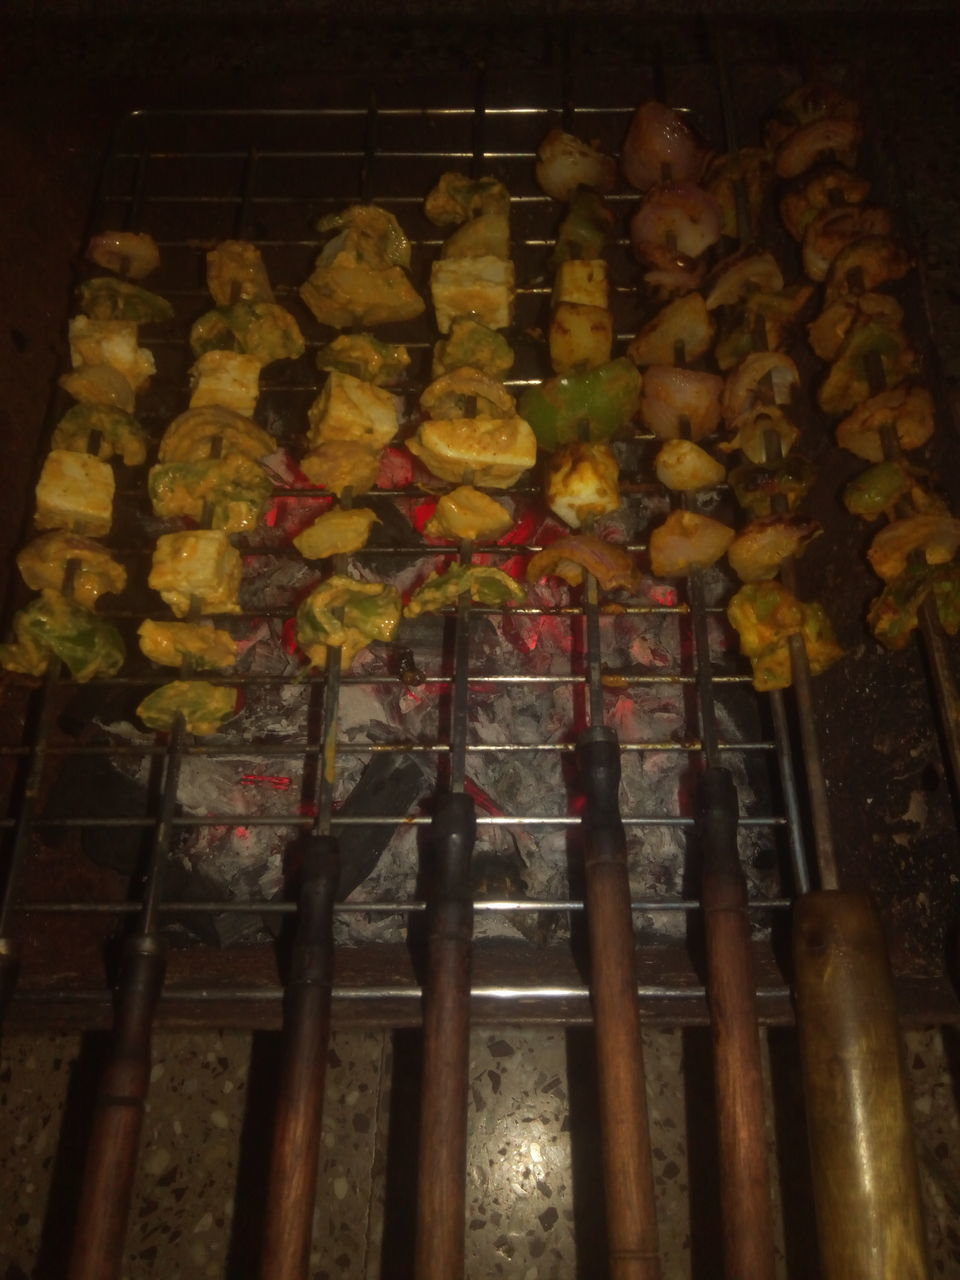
{"x":683,"y":466}
{"x":583,"y":281}
{"x":363,"y":356}
{"x":765,"y":615}
{"x":342,"y":464}
{"x":113,"y":343}
{"x":471,"y":343}
{"x":740,"y":275}
{"x":750,"y":169}
{"x":908,"y":410}
{"x":752,"y":431}
{"x":466,"y":513}
{"x":486,"y":585}
{"x":493,"y":452}
{"x":571,"y":556}
{"x":349,"y":409}
{"x":581,"y":337}
{"x":53,"y":627}
{"x":877,"y":490}
{"x":670,"y":395}
{"x":772,"y":314}
{"x":228,"y":379}
{"x":659,"y":140}
{"x":756,"y":485}
{"x":749,"y":385}
{"x":128,"y":253}
{"x":191,"y":435}
{"x":259,"y":329}
{"x":201,"y":644}
{"x":234,"y":488}
{"x":565,"y":163}
{"x":830,"y":186}
{"x":825,"y":138}
{"x":99,"y":384}
{"x":198,"y":568}
{"x":605,"y":399}
{"x":936,"y":536}
{"x":677,"y":216}
{"x":457,"y":198}
{"x":454,"y":394}
{"x":811,"y":101}
{"x":758,"y":551}
{"x":481,"y":288}
{"x":833,"y":325}
{"x":43,"y":563}
{"x":864,"y":265}
{"x":75,"y":491}
{"x":893,"y":616}
{"x":831,"y":230}
{"x":584,"y":229}
{"x":204,"y":706}
{"x":349,"y":615}
{"x":687,"y":540}
{"x":121,"y":435}
{"x":107,"y":298}
{"x":683,"y":323}
{"x":235,"y":273}
{"x":850,"y":379}
{"x":337,"y":532}
{"x":582,"y":482}
{"x":487,"y":235}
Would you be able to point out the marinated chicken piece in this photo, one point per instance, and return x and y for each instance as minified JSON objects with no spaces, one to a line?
{"x":684,"y":467}
{"x":765,"y":615}
{"x":758,"y":551}
{"x":566,"y":163}
{"x":113,"y":343}
{"x":487,"y":586}
{"x":893,"y":616}
{"x":342,"y":464}
{"x":75,"y":491}
{"x":228,"y":379}
{"x":486,"y":236}
{"x":765,"y":377}
{"x":478,"y":288}
{"x":761,"y":434}
{"x":200,"y":569}
{"x":192,"y":435}
{"x":203,"y":706}
{"x":867,"y":347}
{"x":762,"y":322}
{"x":467,"y":514}
{"x":454,"y":394}
{"x":337,"y":532}
{"x":908,"y":410}
{"x":107,"y":298}
{"x":831,"y":187}
{"x":53,"y":627}
{"x":363,"y":356}
{"x":741,"y":275}
{"x":456,"y":198}
{"x":235,"y":273}
{"x":876,"y":491}
{"x":259,"y":329}
{"x":687,"y":540}
{"x":936,"y":536}
{"x":659,"y":141}
{"x":582,"y":280}
{"x":227,"y":493}
{"x":571,"y":556}
{"x":826,"y":138}
{"x":474,"y":344}
{"x":584,"y":230}
{"x":120,"y":434}
{"x":811,"y":101}
{"x":865,"y":264}
{"x":757,"y":485}
{"x":201,"y":645}
{"x":582,"y":482}
{"x":751,"y":170}
{"x":348,"y":615}
{"x":129,"y":253}
{"x":99,"y":384}
{"x":581,"y":337}
{"x":833,"y":229}
{"x":349,"y":409}
{"x":686,"y":322}
{"x":43,"y":563}
{"x":828,"y":331}
{"x":677,"y":216}
{"x":675,"y":402}
{"x":493,"y":452}
{"x":595,"y":404}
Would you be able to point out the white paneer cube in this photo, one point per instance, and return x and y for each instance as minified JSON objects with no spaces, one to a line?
{"x":113,"y":343}
{"x":198,"y":567}
{"x":582,"y":280}
{"x":479,"y":288}
{"x":581,"y":337}
{"x":227,"y":378}
{"x":350,"y":409}
{"x":75,"y":491}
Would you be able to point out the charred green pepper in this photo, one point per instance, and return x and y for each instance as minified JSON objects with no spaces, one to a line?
{"x":107,"y":298}
{"x":52,"y":626}
{"x":605,"y":399}
{"x":583,"y":232}
{"x":486,"y":585}
{"x":204,"y":706}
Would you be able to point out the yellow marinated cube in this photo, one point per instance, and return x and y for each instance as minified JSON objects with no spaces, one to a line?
{"x":350,"y":409}
{"x":198,"y":567}
{"x":75,"y":491}
{"x":227,"y":378}
{"x":113,"y":343}
{"x":582,"y":280}
{"x":481,"y":288}
{"x":581,"y":337}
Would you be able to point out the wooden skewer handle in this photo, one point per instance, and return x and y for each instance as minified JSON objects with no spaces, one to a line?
{"x":865,"y":1177}
{"x":9,"y":973}
{"x":747,"y":1215}
{"x":292,"y":1189}
{"x":107,"y":1190}
{"x":441,"y":1193}
{"x":627,"y":1162}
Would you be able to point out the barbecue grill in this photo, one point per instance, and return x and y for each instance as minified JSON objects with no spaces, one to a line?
{"x":81,"y":852}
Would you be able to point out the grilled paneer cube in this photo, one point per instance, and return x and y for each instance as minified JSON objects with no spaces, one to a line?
{"x":581,"y":337}
{"x":204,"y":706}
{"x":43,"y":563}
{"x":481,"y":288}
{"x":51,"y":626}
{"x":120,"y":434}
{"x":229,"y":379}
{"x":493,"y":452}
{"x":465,"y":512}
{"x":201,"y":644}
{"x":113,"y":343}
{"x":75,"y":491}
{"x":687,"y":540}
{"x":337,"y":532}
{"x":584,"y":281}
{"x":199,"y":567}
{"x":349,"y":409}
{"x":683,"y":466}
{"x":582,"y":482}
{"x":346,"y":614}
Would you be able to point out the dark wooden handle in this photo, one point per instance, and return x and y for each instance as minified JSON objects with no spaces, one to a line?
{"x":627,"y":1163}
{"x":441,"y":1187}
{"x":108,"y":1178}
{"x":292,"y":1188}
{"x":866,"y":1183}
{"x":9,"y":973}
{"x":747,"y":1216}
